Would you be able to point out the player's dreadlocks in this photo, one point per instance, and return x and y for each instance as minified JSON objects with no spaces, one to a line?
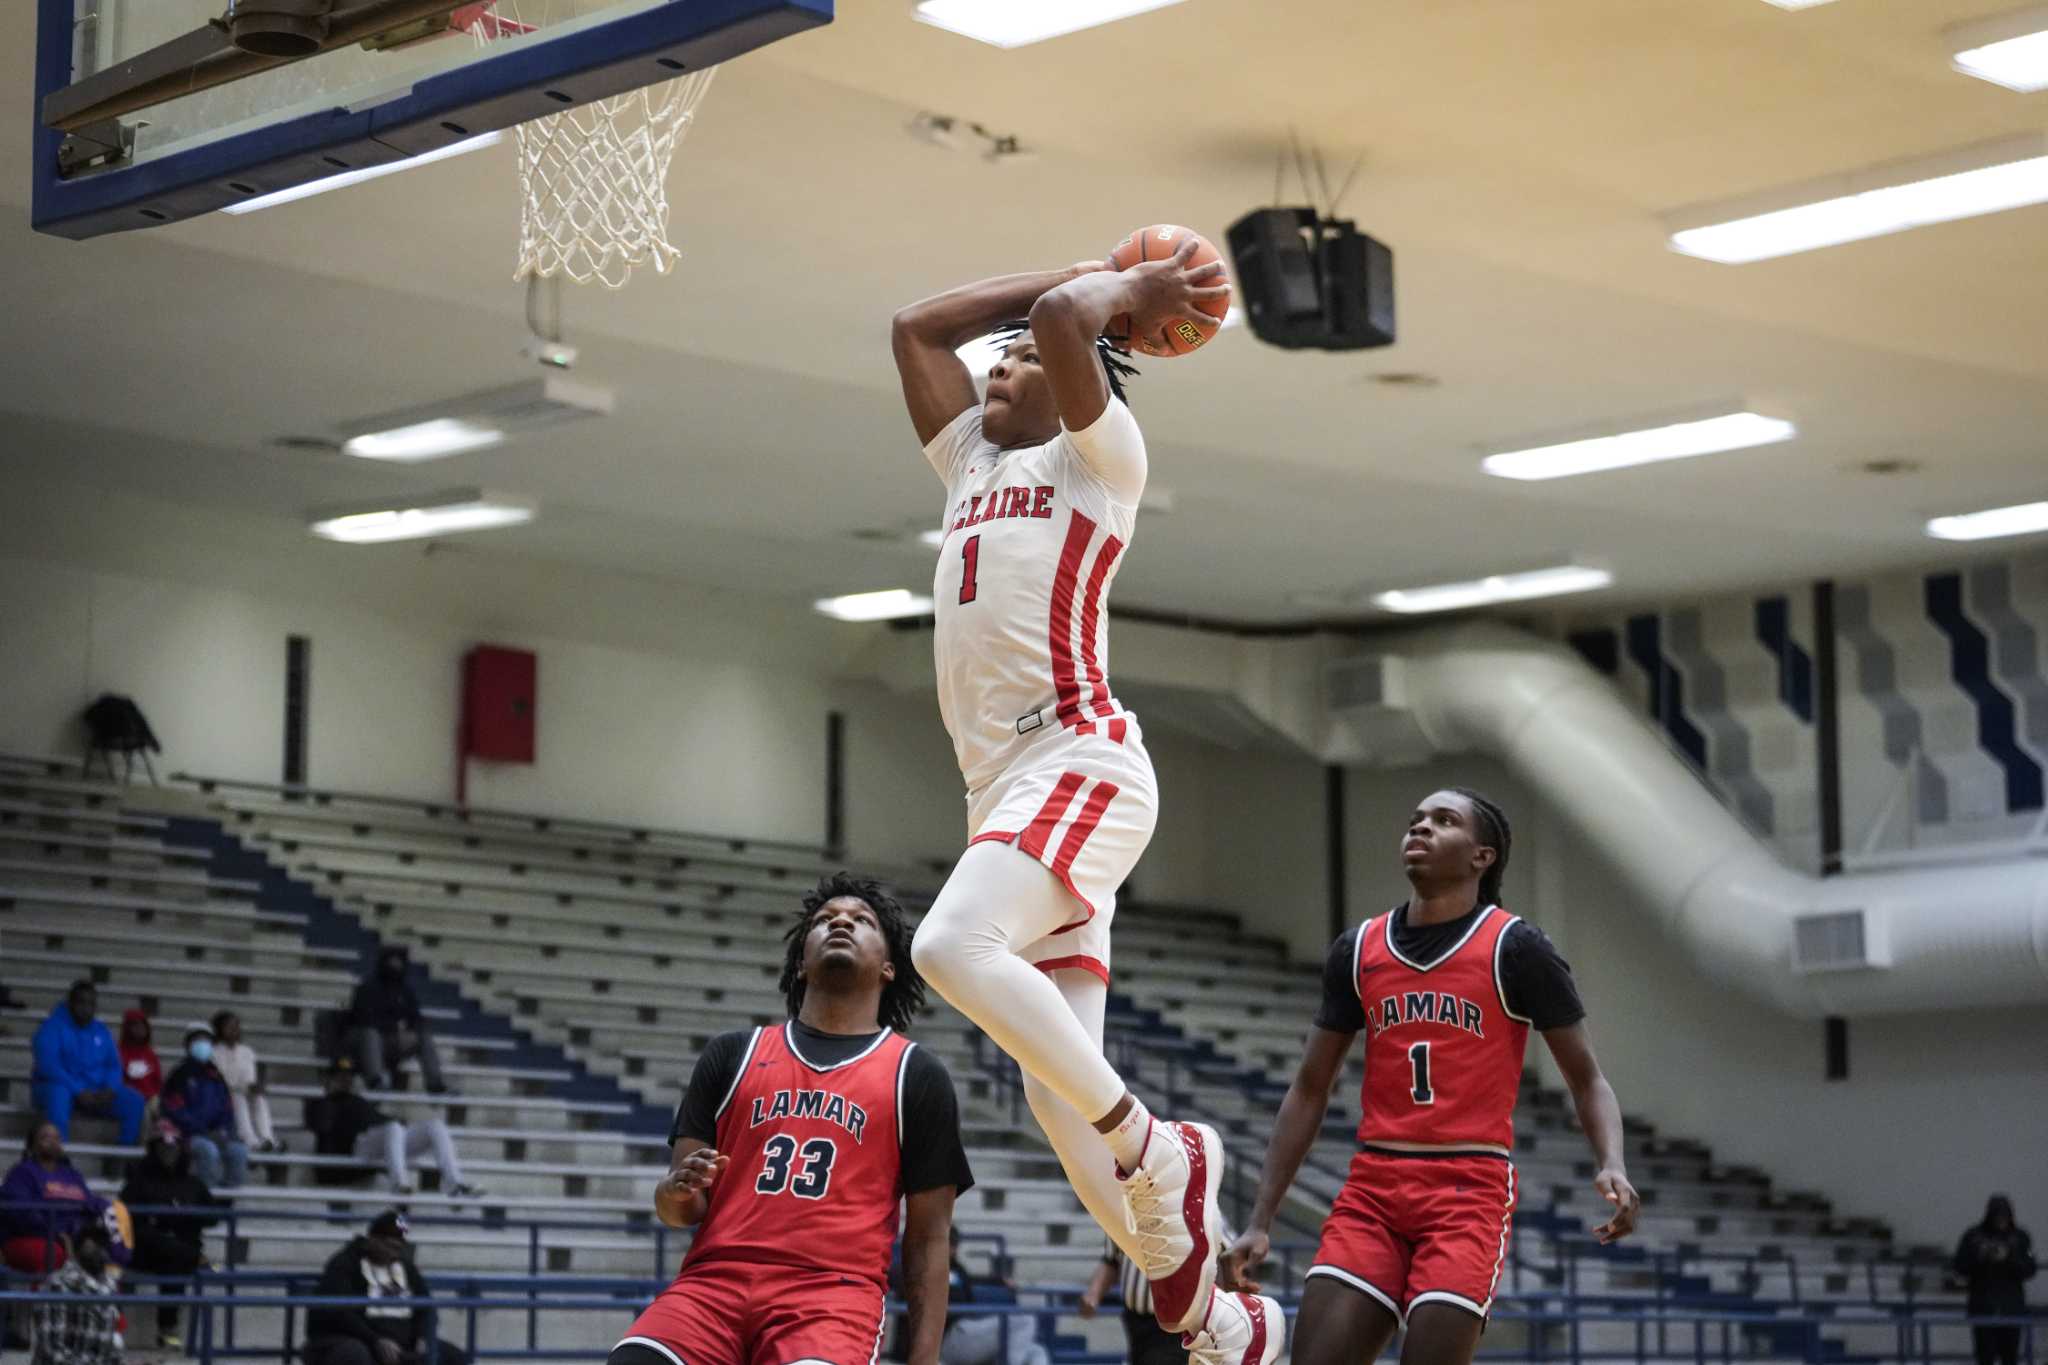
{"x":1494,"y":833}
{"x":1116,"y":366}
{"x":903,"y":998}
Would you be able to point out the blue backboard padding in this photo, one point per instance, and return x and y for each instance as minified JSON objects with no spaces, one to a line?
{"x":491,"y":93}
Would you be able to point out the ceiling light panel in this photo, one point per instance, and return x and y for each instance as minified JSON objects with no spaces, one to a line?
{"x":1480,"y":592}
{"x":2022,"y":519}
{"x":2008,"y":49}
{"x":1015,"y":23}
{"x":1648,"y":445}
{"x":417,"y":518}
{"x":887,"y":605}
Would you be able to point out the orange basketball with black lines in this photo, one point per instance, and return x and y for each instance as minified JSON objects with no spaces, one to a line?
{"x":1178,"y":336}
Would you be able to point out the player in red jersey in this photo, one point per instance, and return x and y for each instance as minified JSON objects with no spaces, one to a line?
{"x":796,"y":1150}
{"x":1043,"y":476}
{"x":1446,"y":988}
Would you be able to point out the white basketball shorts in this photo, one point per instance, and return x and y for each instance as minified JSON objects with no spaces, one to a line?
{"x":1083,"y":801}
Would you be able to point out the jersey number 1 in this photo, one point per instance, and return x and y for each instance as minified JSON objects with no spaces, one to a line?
{"x":970,"y":557}
{"x":805,"y":1172}
{"x":1418,"y":1063}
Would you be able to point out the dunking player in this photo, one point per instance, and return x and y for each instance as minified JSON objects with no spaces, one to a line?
{"x":1446,"y":988}
{"x":795,"y":1149}
{"x":1042,"y":484}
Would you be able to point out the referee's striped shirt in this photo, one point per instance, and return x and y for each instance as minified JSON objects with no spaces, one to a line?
{"x":1131,"y":1282}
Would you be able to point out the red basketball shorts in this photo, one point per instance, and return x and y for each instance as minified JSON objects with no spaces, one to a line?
{"x":742,"y":1313}
{"x":1421,"y":1229}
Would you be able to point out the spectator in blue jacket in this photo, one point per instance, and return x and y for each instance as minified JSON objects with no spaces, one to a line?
{"x":78,"y":1068}
{"x":195,"y":1101}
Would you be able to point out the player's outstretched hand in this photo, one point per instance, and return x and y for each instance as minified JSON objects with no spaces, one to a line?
{"x":1616,"y":1190}
{"x":1167,"y":291}
{"x":1248,"y":1251}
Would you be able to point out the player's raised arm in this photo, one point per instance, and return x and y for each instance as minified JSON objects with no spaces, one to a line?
{"x":1294,"y":1132}
{"x":926,"y":335}
{"x":1066,"y":321}
{"x":927,"y":1268}
{"x":1600,"y":1119}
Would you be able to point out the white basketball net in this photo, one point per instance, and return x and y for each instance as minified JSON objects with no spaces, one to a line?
{"x":595,"y":178}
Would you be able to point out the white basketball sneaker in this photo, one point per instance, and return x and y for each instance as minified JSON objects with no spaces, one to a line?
{"x":1239,"y":1329}
{"x":1170,"y":1206}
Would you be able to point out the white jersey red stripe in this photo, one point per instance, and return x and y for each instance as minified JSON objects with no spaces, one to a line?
{"x":1033,"y":541}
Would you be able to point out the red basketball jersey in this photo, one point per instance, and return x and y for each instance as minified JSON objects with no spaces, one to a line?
{"x":815,"y":1177}
{"x":1443,"y":1054}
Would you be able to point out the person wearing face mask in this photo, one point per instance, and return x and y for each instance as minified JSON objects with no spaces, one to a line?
{"x":378,"y":1265}
{"x":385,"y":1026}
{"x":196,"y":1103}
{"x":86,"y":1331}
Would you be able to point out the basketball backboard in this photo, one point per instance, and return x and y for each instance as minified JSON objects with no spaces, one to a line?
{"x":151,"y":111}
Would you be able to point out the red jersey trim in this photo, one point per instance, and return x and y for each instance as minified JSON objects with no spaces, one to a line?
{"x":1081,"y":962}
{"x":789,"y":1041}
{"x":753,"y":1045}
{"x":1448,"y":953}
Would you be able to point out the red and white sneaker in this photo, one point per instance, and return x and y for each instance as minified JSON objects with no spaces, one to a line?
{"x":1239,"y":1329}
{"x":1170,"y":1206}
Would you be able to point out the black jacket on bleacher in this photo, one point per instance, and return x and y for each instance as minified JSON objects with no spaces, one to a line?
{"x":336,"y":1121}
{"x":343,"y":1278}
{"x":384,"y":1006}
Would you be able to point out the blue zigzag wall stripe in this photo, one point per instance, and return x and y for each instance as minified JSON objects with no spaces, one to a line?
{"x":1970,"y":665}
{"x":1795,"y":665}
{"x":1667,"y":688}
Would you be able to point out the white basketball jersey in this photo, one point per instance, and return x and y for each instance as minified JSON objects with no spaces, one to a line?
{"x":1033,"y":541}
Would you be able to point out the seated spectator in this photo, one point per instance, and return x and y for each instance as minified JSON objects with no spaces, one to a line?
{"x":344,"y":1123}
{"x":166,"y":1243}
{"x":376,"y":1266}
{"x":243,"y":1071}
{"x":32,"y":1240}
{"x":141,"y":1071}
{"x":78,"y":1069}
{"x":196,"y":1103}
{"x":385,"y":1026}
{"x":87,"y":1332}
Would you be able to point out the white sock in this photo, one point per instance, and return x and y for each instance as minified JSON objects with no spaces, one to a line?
{"x":1127,"y":1140}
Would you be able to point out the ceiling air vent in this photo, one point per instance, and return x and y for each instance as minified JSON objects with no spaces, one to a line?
{"x":1837,"y":941}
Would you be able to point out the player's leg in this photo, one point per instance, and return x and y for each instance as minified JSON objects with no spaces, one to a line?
{"x":1441,"y":1334}
{"x":1459,"y":1214}
{"x":1090,"y":1168}
{"x":1340,"y":1324}
{"x":998,"y":902}
{"x":804,"y":1317}
{"x":698,"y":1320}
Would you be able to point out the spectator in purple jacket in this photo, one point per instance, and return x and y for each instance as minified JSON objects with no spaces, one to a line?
{"x":195,"y":1101}
{"x":33,"y":1239}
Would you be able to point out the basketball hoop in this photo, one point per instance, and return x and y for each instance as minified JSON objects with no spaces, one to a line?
{"x":594,"y":179}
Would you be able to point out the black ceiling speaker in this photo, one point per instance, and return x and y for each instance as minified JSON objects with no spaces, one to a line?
{"x":1313,"y":283}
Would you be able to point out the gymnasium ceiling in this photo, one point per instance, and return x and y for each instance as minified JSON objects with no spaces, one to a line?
{"x":1517,"y":156}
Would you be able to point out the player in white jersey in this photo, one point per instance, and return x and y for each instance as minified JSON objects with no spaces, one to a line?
{"x":1043,"y":478}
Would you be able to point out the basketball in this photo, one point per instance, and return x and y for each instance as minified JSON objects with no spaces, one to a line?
{"x":1180,"y":336}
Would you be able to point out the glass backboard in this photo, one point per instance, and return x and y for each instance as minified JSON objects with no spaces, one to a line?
{"x":151,"y":111}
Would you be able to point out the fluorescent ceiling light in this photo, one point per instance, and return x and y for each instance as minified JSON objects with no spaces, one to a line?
{"x":2009,"y":49}
{"x":875,"y":606}
{"x":1013,"y":23}
{"x":437,"y":514}
{"x":1675,"y":441}
{"x":1797,"y":4}
{"x":347,"y":178}
{"x":1989,"y":178}
{"x":936,"y":537}
{"x":1512,"y":587}
{"x":2020,"y":520}
{"x":429,"y":440}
